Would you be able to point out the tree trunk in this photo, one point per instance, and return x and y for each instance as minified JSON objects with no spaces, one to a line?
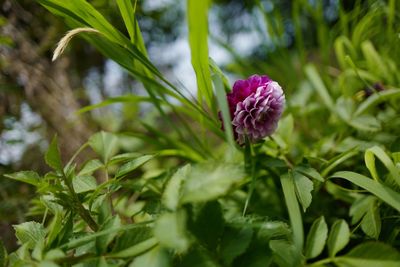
{"x":46,"y":85}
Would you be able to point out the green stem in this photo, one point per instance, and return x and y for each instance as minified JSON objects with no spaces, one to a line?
{"x":320,"y":262}
{"x":85,"y":215}
{"x":251,"y":168}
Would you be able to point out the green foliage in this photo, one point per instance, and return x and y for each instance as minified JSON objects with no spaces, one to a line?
{"x":192,"y":197}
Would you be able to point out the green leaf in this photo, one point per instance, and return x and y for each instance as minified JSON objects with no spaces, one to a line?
{"x":378,"y":152}
{"x":84,"y":183}
{"x":30,"y":233}
{"x":198,"y":41}
{"x":130,"y":99}
{"x":102,"y":242}
{"x":338,"y":237}
{"x":196,"y":257}
{"x":55,"y":228}
{"x":172,"y":192}
{"x":383,"y":192}
{"x":90,"y":166}
{"x":128,"y":14}
{"x":285,"y":253}
{"x":316,"y":238}
{"x":292,"y":205}
{"x":309,"y":172}
{"x":156,"y":257}
{"x":170,"y":230}
{"x":285,"y":130}
{"x":54,"y":254}
{"x":360,"y":207}
{"x":234,"y":242}
{"x":28,"y":177}
{"x":52,"y":156}
{"x":319,"y":86}
{"x":209,"y":181}
{"x":303,"y":186}
{"x":339,"y":159}
{"x":371,"y":223}
{"x":208,"y":224}
{"x":136,"y":250}
{"x":370,"y":254}
{"x":124,"y":157}
{"x":104,"y":144}
{"x":223,"y":106}
{"x":132,"y":237}
{"x":132,"y":165}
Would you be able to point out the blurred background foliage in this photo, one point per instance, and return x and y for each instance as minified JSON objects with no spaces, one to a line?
{"x":39,"y":98}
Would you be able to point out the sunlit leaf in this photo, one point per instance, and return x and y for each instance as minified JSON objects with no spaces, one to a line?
{"x":209,"y":181}
{"x":316,"y":238}
{"x":170,"y":230}
{"x":30,"y":233}
{"x":338,"y":237}
{"x":28,"y":177}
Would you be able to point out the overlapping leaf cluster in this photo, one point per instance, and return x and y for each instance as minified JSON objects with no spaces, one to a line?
{"x":324,"y":190}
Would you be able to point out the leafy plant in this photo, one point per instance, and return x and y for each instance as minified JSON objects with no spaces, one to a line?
{"x":311,"y":194}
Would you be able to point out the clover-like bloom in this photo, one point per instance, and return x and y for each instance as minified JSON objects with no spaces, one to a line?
{"x":256,"y":105}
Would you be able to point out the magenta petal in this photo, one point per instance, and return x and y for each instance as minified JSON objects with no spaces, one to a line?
{"x":256,"y":105}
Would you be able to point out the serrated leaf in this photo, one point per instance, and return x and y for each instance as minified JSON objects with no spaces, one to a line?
{"x":371,"y":254}
{"x":104,"y":144}
{"x":28,"y":177}
{"x":209,"y":181}
{"x":84,"y":183}
{"x":132,"y":237}
{"x":338,"y":237}
{"x":235,"y":242}
{"x":132,"y":165}
{"x":172,"y":192}
{"x":371,"y":222}
{"x":52,"y":156}
{"x":316,"y":238}
{"x":303,"y":186}
{"x":170,"y":230}
{"x":90,"y":167}
{"x":30,"y":233}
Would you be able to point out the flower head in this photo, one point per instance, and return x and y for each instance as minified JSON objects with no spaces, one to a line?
{"x":255,"y":104}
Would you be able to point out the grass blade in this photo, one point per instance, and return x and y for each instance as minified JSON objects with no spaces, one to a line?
{"x":383,"y":192}
{"x":293,"y":210}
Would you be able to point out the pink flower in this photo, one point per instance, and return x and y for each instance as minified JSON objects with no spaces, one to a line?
{"x":256,"y":105}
